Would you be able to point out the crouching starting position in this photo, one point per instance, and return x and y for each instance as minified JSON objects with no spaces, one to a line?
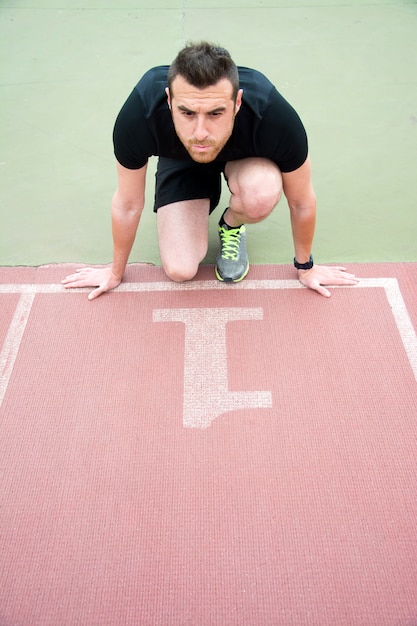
{"x":205,"y":118}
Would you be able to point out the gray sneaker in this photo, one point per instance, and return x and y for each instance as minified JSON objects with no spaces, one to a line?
{"x":232,"y":260}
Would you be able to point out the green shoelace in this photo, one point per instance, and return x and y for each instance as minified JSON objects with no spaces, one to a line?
{"x":230,"y":242}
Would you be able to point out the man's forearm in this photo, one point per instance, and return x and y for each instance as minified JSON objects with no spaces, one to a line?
{"x":124,"y":226}
{"x":303,"y":222}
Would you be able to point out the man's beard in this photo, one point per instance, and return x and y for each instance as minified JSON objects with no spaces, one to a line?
{"x":204,"y":156}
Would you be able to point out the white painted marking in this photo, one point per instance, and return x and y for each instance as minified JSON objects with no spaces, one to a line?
{"x":403,"y":322}
{"x":197,"y":285}
{"x":206,"y":394}
{"x":12,"y":340}
{"x":390,"y":285}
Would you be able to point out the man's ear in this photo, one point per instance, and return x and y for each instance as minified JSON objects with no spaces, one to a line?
{"x":168,"y":96}
{"x":238,"y":100}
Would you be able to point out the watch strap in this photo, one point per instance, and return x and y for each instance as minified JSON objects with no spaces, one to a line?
{"x":304,"y":266}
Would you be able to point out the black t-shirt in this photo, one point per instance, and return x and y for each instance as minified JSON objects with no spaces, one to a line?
{"x":266,"y":125}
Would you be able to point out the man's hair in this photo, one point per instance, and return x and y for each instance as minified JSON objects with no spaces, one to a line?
{"x":203,"y":65}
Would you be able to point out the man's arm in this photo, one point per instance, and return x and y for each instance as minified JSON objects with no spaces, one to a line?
{"x":127,"y":205}
{"x":298,"y":189}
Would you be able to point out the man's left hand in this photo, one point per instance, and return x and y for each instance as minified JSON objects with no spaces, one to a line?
{"x":320,"y":275}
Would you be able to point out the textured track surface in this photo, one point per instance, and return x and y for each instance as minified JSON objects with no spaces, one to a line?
{"x":156,"y":471}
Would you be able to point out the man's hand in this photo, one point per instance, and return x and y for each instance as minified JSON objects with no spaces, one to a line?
{"x":102,"y":278}
{"x":320,"y":275}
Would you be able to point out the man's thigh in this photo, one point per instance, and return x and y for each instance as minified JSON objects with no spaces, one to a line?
{"x":183,"y":237}
{"x":255,"y":184}
{"x":254,"y":173}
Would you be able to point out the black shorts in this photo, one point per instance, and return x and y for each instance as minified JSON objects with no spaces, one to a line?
{"x":187,"y":180}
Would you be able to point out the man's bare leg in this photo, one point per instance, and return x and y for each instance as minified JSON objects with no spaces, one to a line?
{"x":256,"y":187}
{"x":183,"y":237}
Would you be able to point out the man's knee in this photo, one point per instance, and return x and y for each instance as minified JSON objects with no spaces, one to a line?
{"x":256,"y":188}
{"x":180,"y":273}
{"x":258,"y":203}
{"x":183,"y":238}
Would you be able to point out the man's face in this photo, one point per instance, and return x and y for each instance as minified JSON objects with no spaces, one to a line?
{"x":203,"y":118}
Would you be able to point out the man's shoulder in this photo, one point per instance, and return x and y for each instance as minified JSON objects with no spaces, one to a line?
{"x":257,"y":89}
{"x":157,"y":74}
{"x":151,"y":87}
{"x":250,"y":75}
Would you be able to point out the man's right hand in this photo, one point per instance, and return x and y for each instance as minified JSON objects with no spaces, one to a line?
{"x":101,"y":278}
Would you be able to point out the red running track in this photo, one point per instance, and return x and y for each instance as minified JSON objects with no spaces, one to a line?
{"x":204,"y":454}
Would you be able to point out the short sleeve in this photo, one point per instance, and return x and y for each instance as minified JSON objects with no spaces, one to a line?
{"x":132,"y":138}
{"x":281,"y":134}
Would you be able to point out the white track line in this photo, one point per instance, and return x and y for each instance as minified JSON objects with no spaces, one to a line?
{"x":205,"y":285}
{"x":14,"y":336}
{"x":13,"y":339}
{"x":403,"y":322}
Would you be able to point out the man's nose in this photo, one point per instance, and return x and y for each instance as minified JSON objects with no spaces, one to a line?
{"x":201,"y":132}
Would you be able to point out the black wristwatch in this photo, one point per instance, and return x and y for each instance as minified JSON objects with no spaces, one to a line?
{"x":304,"y":266}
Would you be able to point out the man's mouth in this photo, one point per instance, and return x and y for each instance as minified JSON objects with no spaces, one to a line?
{"x":201,"y":147}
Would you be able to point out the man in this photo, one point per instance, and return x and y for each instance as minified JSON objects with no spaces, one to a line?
{"x":204,"y":118}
